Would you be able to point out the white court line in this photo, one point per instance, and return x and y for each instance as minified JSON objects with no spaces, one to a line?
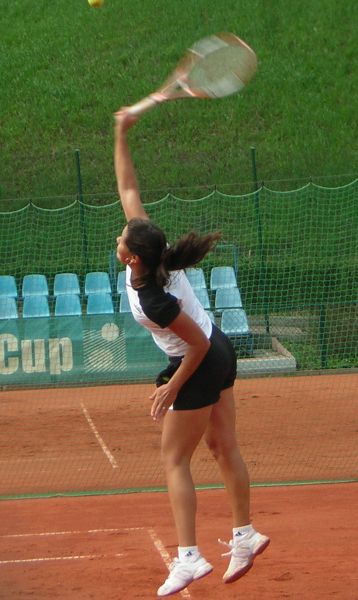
{"x":21,"y":561}
{"x":78,"y":532}
{"x":165,"y":556}
{"x":106,"y":451}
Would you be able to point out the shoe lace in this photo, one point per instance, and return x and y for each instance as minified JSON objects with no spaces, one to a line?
{"x":174,"y":564}
{"x":236,"y":549}
{"x":228,"y":545}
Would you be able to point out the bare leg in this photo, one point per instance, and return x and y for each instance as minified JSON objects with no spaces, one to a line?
{"x":182,"y":431}
{"x":221,"y":439}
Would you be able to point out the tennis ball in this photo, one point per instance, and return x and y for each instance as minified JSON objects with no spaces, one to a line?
{"x":96,"y":3}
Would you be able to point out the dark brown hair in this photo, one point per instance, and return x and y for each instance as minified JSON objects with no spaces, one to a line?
{"x":148,"y":241}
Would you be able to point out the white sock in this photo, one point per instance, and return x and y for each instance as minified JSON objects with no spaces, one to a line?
{"x":187,"y":551}
{"x":237,"y":531}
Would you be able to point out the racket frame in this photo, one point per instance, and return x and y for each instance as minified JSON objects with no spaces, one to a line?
{"x":177,"y":86}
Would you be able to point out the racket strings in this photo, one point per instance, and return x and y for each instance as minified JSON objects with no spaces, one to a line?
{"x":220,"y":67}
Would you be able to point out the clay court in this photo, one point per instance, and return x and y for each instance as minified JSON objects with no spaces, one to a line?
{"x":73,"y":442}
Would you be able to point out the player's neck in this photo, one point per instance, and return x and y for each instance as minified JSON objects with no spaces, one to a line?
{"x":138,"y":269}
{"x":138,"y":275}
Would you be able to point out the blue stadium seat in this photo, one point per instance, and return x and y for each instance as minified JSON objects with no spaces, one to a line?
{"x":203,"y":297}
{"x":222,"y":277}
{"x":196,"y":278}
{"x":121,"y":282}
{"x":34,"y":285}
{"x":68,"y":305}
{"x":35,"y":306}
{"x":8,"y":286}
{"x":211,"y":315}
{"x":234,"y":322}
{"x":227,"y":298}
{"x":99,"y":304}
{"x":235,"y":325}
{"x":97,"y":282}
{"x":66,"y":283}
{"x":8,"y":308}
{"x":124,"y":305}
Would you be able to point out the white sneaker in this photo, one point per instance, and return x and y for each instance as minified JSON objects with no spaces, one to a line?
{"x":183,"y":572}
{"x":243,"y":550}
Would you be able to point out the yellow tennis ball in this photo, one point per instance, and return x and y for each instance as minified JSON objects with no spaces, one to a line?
{"x":96,"y":3}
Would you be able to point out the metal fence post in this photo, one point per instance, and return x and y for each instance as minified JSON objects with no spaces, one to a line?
{"x":82,"y":212}
{"x":262,"y":278}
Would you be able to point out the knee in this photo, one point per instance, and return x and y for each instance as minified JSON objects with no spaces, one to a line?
{"x":221,"y":448}
{"x":173,"y":459}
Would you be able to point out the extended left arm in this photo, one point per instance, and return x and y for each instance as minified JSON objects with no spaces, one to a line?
{"x":198,"y":345}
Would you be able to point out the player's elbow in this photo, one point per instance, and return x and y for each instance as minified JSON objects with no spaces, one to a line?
{"x":204,"y":346}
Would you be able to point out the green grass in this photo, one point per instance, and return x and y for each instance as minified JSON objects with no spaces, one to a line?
{"x":330,"y":336}
{"x":65,"y":68}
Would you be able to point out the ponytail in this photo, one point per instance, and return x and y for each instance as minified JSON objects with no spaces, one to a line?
{"x":148,"y":241}
{"x":186,"y":252}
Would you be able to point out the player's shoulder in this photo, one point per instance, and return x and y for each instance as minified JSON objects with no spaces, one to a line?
{"x":158,"y":305}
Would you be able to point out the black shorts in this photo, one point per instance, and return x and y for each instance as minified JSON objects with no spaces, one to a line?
{"x":216,"y":372}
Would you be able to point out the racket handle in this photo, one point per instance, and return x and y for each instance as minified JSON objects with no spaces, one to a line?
{"x":142,"y":106}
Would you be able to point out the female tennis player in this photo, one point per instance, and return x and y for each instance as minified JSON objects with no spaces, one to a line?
{"x":194,"y":394}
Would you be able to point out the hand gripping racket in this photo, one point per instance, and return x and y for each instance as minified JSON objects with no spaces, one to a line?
{"x":215,"y":67}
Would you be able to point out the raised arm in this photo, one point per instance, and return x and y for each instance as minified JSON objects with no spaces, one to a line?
{"x":127,"y":183}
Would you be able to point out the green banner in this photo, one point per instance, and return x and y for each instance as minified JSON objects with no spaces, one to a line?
{"x":76,"y":350}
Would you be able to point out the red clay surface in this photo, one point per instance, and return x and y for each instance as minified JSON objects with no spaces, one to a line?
{"x":103,"y":438}
{"x":115,"y":547}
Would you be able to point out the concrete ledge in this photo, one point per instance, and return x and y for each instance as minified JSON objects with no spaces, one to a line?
{"x":275,"y":360}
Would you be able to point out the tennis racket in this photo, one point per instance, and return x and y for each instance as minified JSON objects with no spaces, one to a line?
{"x":215,"y":67}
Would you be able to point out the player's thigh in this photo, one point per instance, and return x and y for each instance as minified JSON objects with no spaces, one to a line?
{"x":220,"y":434}
{"x":182,"y":432}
